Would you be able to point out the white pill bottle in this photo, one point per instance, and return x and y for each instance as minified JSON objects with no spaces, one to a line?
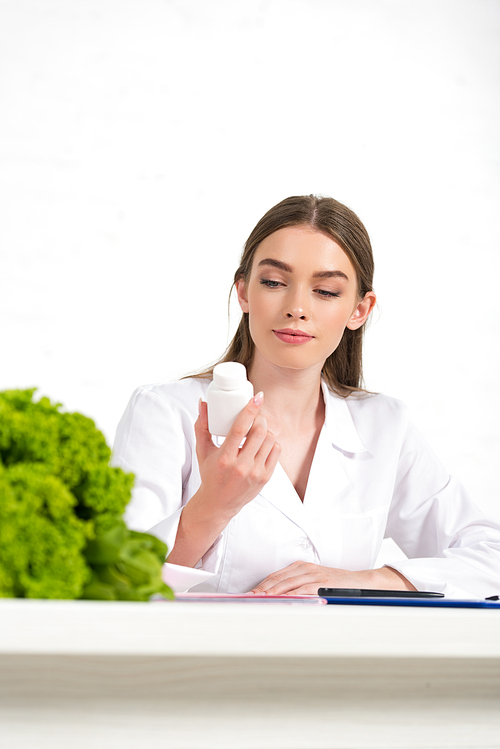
{"x":227,"y":394}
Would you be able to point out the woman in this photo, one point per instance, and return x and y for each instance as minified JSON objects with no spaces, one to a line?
{"x":327,"y":470}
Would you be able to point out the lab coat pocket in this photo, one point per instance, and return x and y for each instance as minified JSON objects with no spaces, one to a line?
{"x":362,"y":535}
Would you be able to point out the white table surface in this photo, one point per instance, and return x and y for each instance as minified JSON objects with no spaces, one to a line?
{"x":174,"y":628}
{"x":188,"y":675}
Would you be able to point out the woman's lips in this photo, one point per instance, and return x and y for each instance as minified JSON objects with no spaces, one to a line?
{"x":289,"y":335}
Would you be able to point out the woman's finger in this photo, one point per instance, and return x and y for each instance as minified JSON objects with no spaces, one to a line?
{"x":242,"y":424}
{"x":278,"y":576}
{"x":256,"y":437}
{"x":288,"y":585}
{"x":289,"y":578}
{"x":273,"y":458}
{"x":268,"y":454}
{"x":204,"y":444}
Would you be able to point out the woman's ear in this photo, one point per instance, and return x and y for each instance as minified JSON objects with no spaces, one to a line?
{"x":242,"y":294}
{"x":362,"y":311}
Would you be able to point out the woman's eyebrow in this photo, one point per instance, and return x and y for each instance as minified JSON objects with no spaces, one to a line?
{"x":330,"y":274}
{"x":288,"y":269}
{"x":276,"y":264}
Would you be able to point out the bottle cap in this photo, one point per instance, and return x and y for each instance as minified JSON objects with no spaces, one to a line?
{"x":229,"y":375}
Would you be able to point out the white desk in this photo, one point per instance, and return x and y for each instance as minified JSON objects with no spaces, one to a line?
{"x":86,"y":675}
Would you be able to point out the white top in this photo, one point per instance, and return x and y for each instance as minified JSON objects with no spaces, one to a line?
{"x":372,"y":476}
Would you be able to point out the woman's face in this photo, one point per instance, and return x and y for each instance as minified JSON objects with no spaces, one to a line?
{"x":301,"y":295}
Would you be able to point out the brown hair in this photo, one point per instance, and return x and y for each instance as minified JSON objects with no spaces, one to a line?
{"x":343,"y":368}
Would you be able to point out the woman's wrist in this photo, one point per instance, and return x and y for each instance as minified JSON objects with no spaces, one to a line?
{"x":198,"y":528}
{"x":387,"y":578}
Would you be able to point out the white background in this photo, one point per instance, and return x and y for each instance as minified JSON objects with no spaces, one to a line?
{"x":141,"y":140}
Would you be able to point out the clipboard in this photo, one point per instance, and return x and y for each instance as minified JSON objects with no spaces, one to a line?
{"x":435,"y":603}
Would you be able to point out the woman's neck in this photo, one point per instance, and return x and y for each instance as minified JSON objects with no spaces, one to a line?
{"x":292,"y":398}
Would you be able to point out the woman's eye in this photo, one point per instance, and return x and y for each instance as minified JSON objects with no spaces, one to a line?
{"x":328,"y":294}
{"x":269,"y":283}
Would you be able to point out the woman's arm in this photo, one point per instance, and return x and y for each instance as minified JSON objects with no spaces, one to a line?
{"x":231,"y":476}
{"x":185,"y":502}
{"x":155,"y":440}
{"x":452,"y":547}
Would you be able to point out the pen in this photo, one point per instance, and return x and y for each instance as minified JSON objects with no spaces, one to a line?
{"x":365,"y":593}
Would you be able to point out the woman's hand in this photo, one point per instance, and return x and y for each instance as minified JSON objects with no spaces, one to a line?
{"x":231,"y":476}
{"x":304,"y":578}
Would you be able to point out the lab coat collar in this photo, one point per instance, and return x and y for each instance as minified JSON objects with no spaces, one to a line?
{"x":339,"y":423}
{"x":326,"y":484}
{"x":327,"y":479}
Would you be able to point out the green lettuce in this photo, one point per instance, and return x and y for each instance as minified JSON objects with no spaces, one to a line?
{"x":61,"y":506}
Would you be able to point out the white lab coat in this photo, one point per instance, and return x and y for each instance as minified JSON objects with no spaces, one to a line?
{"x":373,"y":476}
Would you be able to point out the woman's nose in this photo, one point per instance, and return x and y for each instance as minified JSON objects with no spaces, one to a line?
{"x":297,"y":307}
